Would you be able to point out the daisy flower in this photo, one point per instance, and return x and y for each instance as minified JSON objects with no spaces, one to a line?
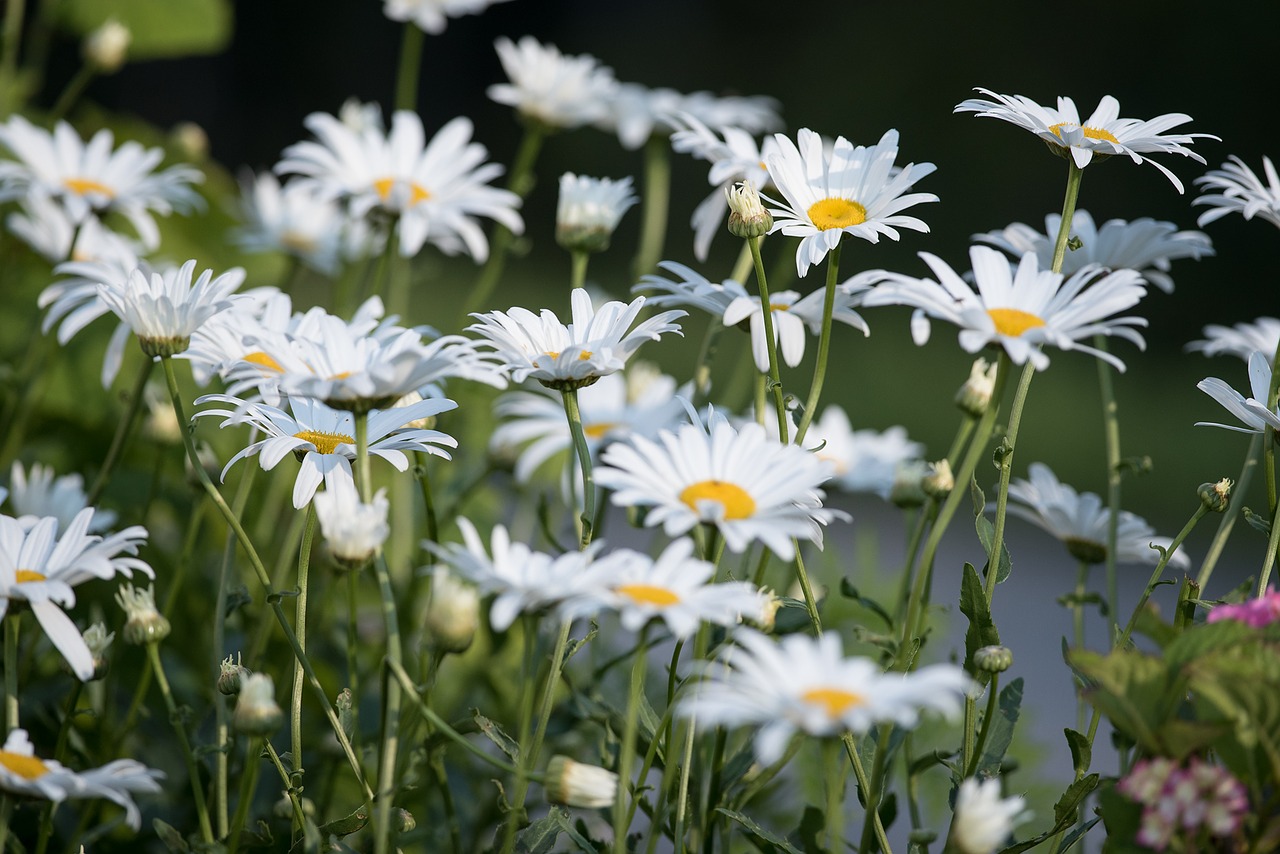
{"x":40,"y":568}
{"x":852,"y":190}
{"x":39,"y":492}
{"x":1241,"y":339}
{"x":864,"y":460}
{"x":551,"y":89}
{"x":1080,"y":521}
{"x":691,"y":288}
{"x":293,"y":219}
{"x":1236,"y":188}
{"x":44,"y":226}
{"x":598,"y":341}
{"x":792,"y":314}
{"x":754,"y":114}
{"x":1252,"y":411}
{"x":1144,"y":245}
{"x":1104,"y":133}
{"x":589,"y":209}
{"x":434,"y":190}
{"x":1021,"y":309}
{"x":164,"y":309}
{"x":744,"y":482}
{"x":324,"y":439}
{"x":524,"y":580}
{"x":673,"y":588}
{"x":93,"y":179}
{"x":73,"y":303}
{"x":432,"y":16}
{"x":807,"y":684}
{"x":23,"y":773}
{"x":983,"y":820}
{"x":353,"y":530}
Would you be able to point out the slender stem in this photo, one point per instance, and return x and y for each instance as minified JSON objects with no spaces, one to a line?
{"x":248,"y":785}
{"x":574,"y":415}
{"x":353,"y":645}
{"x":14,"y":12}
{"x":410,"y":66}
{"x":1111,"y":428}
{"x":874,"y":795}
{"x":627,"y":748}
{"x":775,"y":377}
{"x":75,"y":88}
{"x":993,"y":698}
{"x":1269,"y":559}
{"x":810,"y":601}
{"x":1158,"y":571}
{"x":1077,"y":627}
{"x":654,"y":205}
{"x":1069,"y":198}
{"x":529,"y":756}
{"x":873,"y":815}
{"x":299,"y":817}
{"x":12,"y":633}
{"x":1269,"y":435}
{"x":123,"y":427}
{"x":834,"y":782}
{"x":824,"y":345}
{"x":578,"y":274}
{"x":682,"y":799}
{"x":1006,"y":470}
{"x":300,"y":630}
{"x":1228,"y":520}
{"x":179,"y":727}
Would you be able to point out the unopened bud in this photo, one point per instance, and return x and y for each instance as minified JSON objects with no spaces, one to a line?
{"x":974,"y":396}
{"x":908,"y":484}
{"x":747,"y":216}
{"x":575,"y":784}
{"x":589,"y":210}
{"x":405,"y":821}
{"x":106,"y":47}
{"x":1216,"y":496}
{"x":97,"y":639}
{"x":191,"y":139}
{"x":993,"y":659}
{"x":231,"y":676}
{"x":143,"y":623}
{"x":938,"y":480}
{"x":453,"y":614}
{"x":770,"y":606}
{"x":257,"y":712}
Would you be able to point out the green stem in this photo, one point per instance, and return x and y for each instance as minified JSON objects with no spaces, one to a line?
{"x":1069,"y":198}
{"x":993,"y":698}
{"x":179,"y":727}
{"x":824,"y":345}
{"x":123,"y":427}
{"x":1077,"y":627}
{"x":300,"y":630}
{"x":1111,"y":428}
{"x":873,"y":816}
{"x":14,"y":12}
{"x":1228,"y":520}
{"x":574,"y":415}
{"x":529,"y":756}
{"x":72,"y":93}
{"x":876,"y":782}
{"x":775,"y":377}
{"x":248,"y":785}
{"x":1269,"y":435}
{"x":682,"y":799}
{"x":353,"y":645}
{"x":627,"y":748}
{"x":834,"y":777}
{"x":654,"y":205}
{"x":410,"y":66}
{"x":1269,"y":559}
{"x":578,"y":273}
{"x":1157,"y":572}
{"x":310,"y":838}
{"x":1006,"y":470}
{"x":810,"y":601}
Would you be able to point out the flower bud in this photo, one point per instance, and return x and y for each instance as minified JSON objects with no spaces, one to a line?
{"x":747,"y":216}
{"x":143,"y":623}
{"x":405,"y":821}
{"x":974,"y":396}
{"x":938,"y":480}
{"x":575,"y":784}
{"x":97,"y":639}
{"x":589,"y":210}
{"x":993,"y":659}
{"x":1216,"y":496}
{"x":908,"y":484}
{"x":106,"y":47}
{"x":453,"y":614}
{"x":257,"y":712}
{"x":231,"y":676}
{"x":353,"y":530}
{"x":191,"y":139}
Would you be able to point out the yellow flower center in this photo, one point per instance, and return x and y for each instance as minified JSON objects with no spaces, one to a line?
{"x":417,"y":192}
{"x":26,"y":767}
{"x":297,"y":242}
{"x":1013,"y":321}
{"x":341,"y":376}
{"x":597,"y":431}
{"x":836,"y":213}
{"x":835,"y":701}
{"x":1089,"y":133}
{"x":326,"y":443}
{"x":648,"y":594}
{"x":734,"y":499}
{"x":777,"y":306}
{"x":582,"y":357}
{"x":84,"y":186}
{"x":24,"y":575}
{"x":262,"y":360}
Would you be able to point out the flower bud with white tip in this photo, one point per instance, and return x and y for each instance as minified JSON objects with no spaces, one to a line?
{"x":747,"y":216}
{"x":257,"y":712}
{"x":974,"y":396}
{"x":353,"y":530}
{"x":576,"y":784}
{"x":106,"y":47}
{"x":1216,"y":497}
{"x":144,"y":624}
{"x":453,"y":614}
{"x":231,"y":676}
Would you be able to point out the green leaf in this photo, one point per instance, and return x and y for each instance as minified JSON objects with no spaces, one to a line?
{"x":759,"y":832}
{"x":982,"y":630}
{"x":987,"y":534}
{"x":160,"y":28}
{"x":169,"y":835}
{"x":1064,"y":813}
{"x":540,"y":836}
{"x":1081,"y":751}
{"x":575,"y":645}
{"x":850,"y":592}
{"x":1000,"y":735}
{"x":346,"y":825}
{"x":813,"y":826}
{"x":494,"y":733}
{"x":1257,"y":522}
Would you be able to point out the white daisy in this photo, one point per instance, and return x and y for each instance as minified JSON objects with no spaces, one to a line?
{"x":40,"y":568}
{"x":791,"y":314}
{"x":74,"y":303}
{"x":1241,"y":339}
{"x":1080,"y":521}
{"x":432,"y":16}
{"x":807,"y":684}
{"x":598,"y":341}
{"x":637,"y":113}
{"x":754,"y":114}
{"x":1252,"y":411}
{"x":983,"y":820}
{"x":43,"y":225}
{"x":691,"y":288}
{"x":435,"y":190}
{"x":324,"y":439}
{"x":673,"y":588}
{"x":552,"y":89}
{"x":862,"y":460}
{"x":353,"y":530}
{"x":853,"y":190}
{"x":744,"y":482}
{"x":589,"y":209}
{"x":23,"y":773}
{"x":39,"y":492}
{"x":1144,"y":245}
{"x":1021,"y":309}
{"x":294,"y":219}
{"x":1103,"y":133}
{"x":524,"y":580}
{"x":164,"y":309}
{"x":1236,"y":188}
{"x":92,"y":178}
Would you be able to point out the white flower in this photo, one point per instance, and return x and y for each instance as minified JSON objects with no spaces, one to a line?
{"x":435,"y":189}
{"x":43,"y":225}
{"x":1081,"y":520}
{"x":1252,"y":411}
{"x":39,"y":492}
{"x":1236,"y":188}
{"x":324,"y":438}
{"x":92,"y":178}
{"x":432,"y":16}
{"x":1241,"y":339}
{"x":257,"y":712}
{"x":598,"y":341}
{"x":453,"y":612}
{"x":74,"y":303}
{"x":106,"y":47}
{"x":589,"y":209}
{"x":1144,"y":245}
{"x":294,"y":219}
{"x":1019,"y":310}
{"x":791,"y":314}
{"x":852,"y":190}
{"x":1103,"y":133}
{"x":864,"y":460}
{"x":164,"y":309}
{"x":807,"y":684}
{"x":692,"y":288}
{"x":40,"y":568}
{"x":744,"y":482}
{"x":983,"y":820}
{"x":23,"y":773}
{"x":353,"y":530}
{"x":576,"y":784}
{"x":550,"y":88}
{"x":637,"y":113}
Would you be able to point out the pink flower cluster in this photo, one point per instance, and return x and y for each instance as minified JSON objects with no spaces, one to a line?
{"x":1255,"y":612}
{"x":1200,"y":797}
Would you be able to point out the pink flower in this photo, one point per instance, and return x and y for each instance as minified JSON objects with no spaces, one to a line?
{"x":1256,"y":612}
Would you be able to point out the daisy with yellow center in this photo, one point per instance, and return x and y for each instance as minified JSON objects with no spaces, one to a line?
{"x":1020,"y":309}
{"x":747,"y":484}
{"x":1102,"y":134}
{"x":854,"y":190}
{"x":296,"y":220}
{"x":807,"y":684}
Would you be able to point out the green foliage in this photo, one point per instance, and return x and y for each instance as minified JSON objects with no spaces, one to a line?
{"x":1000,"y":735}
{"x":160,"y":28}
{"x":982,"y":629}
{"x":987,"y":534}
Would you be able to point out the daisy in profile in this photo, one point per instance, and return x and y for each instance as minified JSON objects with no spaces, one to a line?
{"x":165,"y":309}
{"x":597,"y":342}
{"x":1080,"y":521}
{"x":432,"y":16}
{"x":589,"y":210}
{"x":807,"y":684}
{"x":1235,"y":188}
{"x":434,"y":190}
{"x":1019,"y":309}
{"x":744,"y":482}
{"x":1145,"y":245}
{"x":983,"y":820}
{"x":864,"y":460}
{"x":44,"y":225}
{"x":1251,"y":411}
{"x":850,"y":190}
{"x":674,"y":588}
{"x":293,"y":219}
{"x":792,"y":315}
{"x":38,"y":492}
{"x":1241,"y":339}
{"x":638,"y":113}
{"x":1104,"y":133}
{"x":93,"y":178}
{"x":353,"y":530}
{"x":323,"y":439}
{"x":39,"y":567}
{"x":23,"y":773}
{"x":553,"y":90}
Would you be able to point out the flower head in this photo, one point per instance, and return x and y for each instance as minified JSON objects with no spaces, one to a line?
{"x":144,"y":624}
{"x":107,"y":46}
{"x":353,"y":530}
{"x":576,"y":784}
{"x":1259,"y":612}
{"x":164,"y":309}
{"x":38,"y":492}
{"x":432,"y":16}
{"x":552,"y":89}
{"x":1235,"y":188}
{"x":453,"y":612}
{"x":983,"y":820}
{"x":589,"y":210}
{"x":257,"y":712}
{"x":1241,"y":339}
{"x":1252,"y":411}
{"x":298,"y":220}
